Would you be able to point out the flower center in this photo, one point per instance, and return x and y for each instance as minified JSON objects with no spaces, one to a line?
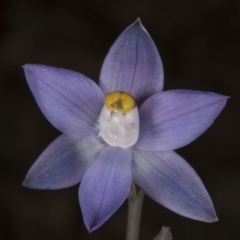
{"x":119,"y":120}
{"x":119,"y":102}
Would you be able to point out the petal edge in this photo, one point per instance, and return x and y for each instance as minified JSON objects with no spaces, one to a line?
{"x":62,"y":164}
{"x":69,"y":100}
{"x":133,"y":65}
{"x":105,"y":186}
{"x":173,"y":119}
{"x":172,"y":182}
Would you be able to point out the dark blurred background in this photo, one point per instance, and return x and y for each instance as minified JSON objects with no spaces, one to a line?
{"x":199,"y":42}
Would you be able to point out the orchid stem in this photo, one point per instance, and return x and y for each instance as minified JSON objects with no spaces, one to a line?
{"x":135,"y":200}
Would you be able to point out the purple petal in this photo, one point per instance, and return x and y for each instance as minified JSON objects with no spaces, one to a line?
{"x":62,"y":164}
{"x":170,"y":180}
{"x":172,"y":119}
{"x":69,"y":100}
{"x":133,"y":65}
{"x":105,"y":186}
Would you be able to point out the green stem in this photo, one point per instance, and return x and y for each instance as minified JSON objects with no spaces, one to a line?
{"x":135,"y":200}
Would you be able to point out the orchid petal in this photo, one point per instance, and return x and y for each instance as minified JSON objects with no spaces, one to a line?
{"x":170,"y":180}
{"x":105,"y":186}
{"x":62,"y":164}
{"x":172,"y":119}
{"x":133,"y":65}
{"x":69,"y":100}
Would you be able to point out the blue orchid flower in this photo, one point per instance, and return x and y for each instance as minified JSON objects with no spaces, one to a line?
{"x":122,"y":131}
